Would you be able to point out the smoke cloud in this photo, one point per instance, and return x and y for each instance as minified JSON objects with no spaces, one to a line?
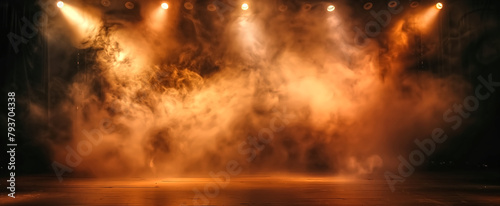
{"x":184,"y":91}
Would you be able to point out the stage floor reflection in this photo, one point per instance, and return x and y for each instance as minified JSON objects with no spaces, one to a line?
{"x":441,"y":189}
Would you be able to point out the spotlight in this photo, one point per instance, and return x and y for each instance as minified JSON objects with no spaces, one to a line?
{"x":283,"y":8}
{"x":129,"y":5}
{"x":244,"y":6}
{"x":330,"y":8}
{"x":60,"y":4}
{"x":392,"y":4}
{"x":414,"y":3}
{"x":307,"y":7}
{"x":211,"y":7}
{"x":439,"y":5}
{"x":188,"y":5}
{"x":164,"y":6}
{"x":105,"y":3}
{"x":368,"y":5}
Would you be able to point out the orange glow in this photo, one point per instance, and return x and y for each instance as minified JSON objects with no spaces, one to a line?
{"x":331,"y":96}
{"x":158,"y":17}
{"x":439,"y":5}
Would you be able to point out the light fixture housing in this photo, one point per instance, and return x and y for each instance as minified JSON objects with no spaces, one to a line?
{"x":414,"y":3}
{"x":129,"y":5}
{"x":188,"y":5}
{"x":306,"y":7}
{"x":283,"y":8}
{"x":392,"y":4}
{"x":368,"y":5}
{"x":211,"y":7}
{"x":105,"y":3}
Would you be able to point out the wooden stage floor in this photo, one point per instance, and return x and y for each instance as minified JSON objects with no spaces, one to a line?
{"x":440,"y":189}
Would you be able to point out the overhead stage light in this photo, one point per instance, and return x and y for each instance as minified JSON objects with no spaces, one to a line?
{"x":392,"y":4}
{"x":368,"y":5}
{"x":129,"y":5}
{"x":188,"y":5}
{"x":105,"y":3}
{"x":330,"y":8}
{"x":414,"y":3}
{"x":244,"y":6}
{"x":283,"y":8}
{"x":60,"y":4}
{"x":306,"y":7}
{"x":211,"y":7}
{"x":164,"y":6}
{"x":439,"y":5}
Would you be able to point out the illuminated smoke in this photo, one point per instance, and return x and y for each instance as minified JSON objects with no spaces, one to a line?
{"x":183,"y":93}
